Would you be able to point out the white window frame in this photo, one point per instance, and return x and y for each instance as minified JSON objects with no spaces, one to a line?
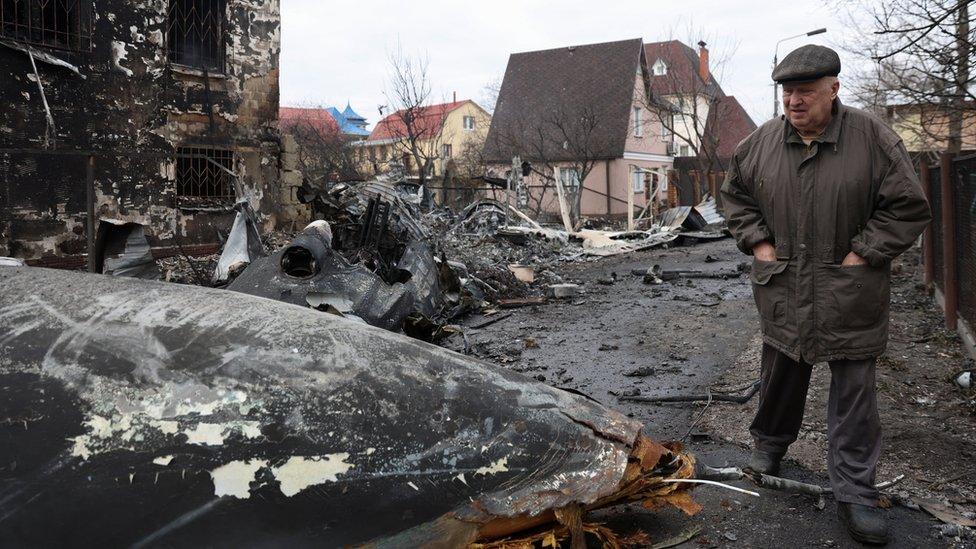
{"x":660,"y":68}
{"x":637,"y":181}
{"x":684,"y":150}
{"x":638,"y":121}
{"x":467,"y":121}
{"x":569,"y":177}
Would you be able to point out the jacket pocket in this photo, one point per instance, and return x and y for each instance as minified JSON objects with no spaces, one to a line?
{"x":859,"y":295}
{"x":771,"y":288}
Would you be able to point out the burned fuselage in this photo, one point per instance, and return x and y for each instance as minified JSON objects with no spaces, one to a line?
{"x":140,"y":413}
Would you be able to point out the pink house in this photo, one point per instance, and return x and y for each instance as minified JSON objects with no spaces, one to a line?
{"x":581,"y":110}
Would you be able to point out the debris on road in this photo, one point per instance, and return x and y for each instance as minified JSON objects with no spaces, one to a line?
{"x":525,"y":273}
{"x":373,"y":261}
{"x":243,"y":244}
{"x":171,"y":414}
{"x":122,"y":249}
{"x":517,"y":302}
{"x":657,"y":273}
{"x":563,"y":291}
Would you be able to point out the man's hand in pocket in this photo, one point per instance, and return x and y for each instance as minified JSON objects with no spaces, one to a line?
{"x":764,"y":251}
{"x":853,"y":259}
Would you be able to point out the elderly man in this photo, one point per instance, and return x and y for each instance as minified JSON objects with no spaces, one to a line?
{"x":823,"y":198}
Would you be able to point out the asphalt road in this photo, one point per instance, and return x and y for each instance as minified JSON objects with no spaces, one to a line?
{"x":689,"y":332}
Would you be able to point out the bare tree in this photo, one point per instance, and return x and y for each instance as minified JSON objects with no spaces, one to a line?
{"x":563,"y":143}
{"x":688,"y":105}
{"x":324,"y":152}
{"x":489,"y":93}
{"x":415,"y":126}
{"x":919,"y":58}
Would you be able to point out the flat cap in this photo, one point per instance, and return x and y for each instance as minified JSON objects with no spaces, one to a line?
{"x":808,"y":62}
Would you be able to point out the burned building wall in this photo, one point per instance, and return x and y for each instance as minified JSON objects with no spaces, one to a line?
{"x":178,"y":117}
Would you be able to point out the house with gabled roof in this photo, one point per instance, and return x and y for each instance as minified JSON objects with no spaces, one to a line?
{"x":326,"y":121}
{"x":577,"y":116}
{"x":442,"y":132}
{"x":683,"y":79}
{"x":704,"y":124}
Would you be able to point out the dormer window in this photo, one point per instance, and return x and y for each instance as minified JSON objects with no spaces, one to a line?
{"x":660,"y":68}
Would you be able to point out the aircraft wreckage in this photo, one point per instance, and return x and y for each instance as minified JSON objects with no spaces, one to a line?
{"x":142,"y":413}
{"x":374,"y":262}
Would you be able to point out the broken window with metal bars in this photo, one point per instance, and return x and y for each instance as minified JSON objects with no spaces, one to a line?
{"x":195,"y":33}
{"x":204,"y":173}
{"x":62,"y":24}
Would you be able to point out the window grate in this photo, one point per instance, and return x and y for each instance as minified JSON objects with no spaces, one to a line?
{"x":204,"y":173}
{"x":195,"y":33}
{"x":61,"y":24}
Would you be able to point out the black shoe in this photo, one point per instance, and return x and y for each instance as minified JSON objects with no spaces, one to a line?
{"x":766,"y":463}
{"x":864,"y":523}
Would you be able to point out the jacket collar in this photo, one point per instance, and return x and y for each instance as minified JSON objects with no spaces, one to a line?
{"x":830,"y":135}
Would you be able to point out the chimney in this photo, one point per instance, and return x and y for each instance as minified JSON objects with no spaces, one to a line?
{"x":703,"y":61}
{"x":455,"y":97}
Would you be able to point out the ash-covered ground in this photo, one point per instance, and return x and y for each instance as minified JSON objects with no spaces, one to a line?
{"x":620,"y":336}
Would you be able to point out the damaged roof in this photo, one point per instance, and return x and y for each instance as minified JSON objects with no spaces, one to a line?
{"x":598,"y":78}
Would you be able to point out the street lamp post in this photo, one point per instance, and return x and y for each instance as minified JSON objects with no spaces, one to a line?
{"x":776,"y":62}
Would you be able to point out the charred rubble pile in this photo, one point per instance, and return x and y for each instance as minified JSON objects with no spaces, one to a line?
{"x":379,"y":252}
{"x":501,"y":251}
{"x":369,"y":256}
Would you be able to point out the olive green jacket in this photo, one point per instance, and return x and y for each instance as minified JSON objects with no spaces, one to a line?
{"x":853,"y":189}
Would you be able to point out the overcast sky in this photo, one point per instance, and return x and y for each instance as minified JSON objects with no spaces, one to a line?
{"x":333,"y":52}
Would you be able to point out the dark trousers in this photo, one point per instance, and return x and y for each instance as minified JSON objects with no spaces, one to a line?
{"x":853,"y":425}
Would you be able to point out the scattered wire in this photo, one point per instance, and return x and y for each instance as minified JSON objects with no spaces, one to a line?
{"x":694,"y":424}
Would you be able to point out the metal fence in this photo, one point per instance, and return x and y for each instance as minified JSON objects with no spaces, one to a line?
{"x":950,"y":248}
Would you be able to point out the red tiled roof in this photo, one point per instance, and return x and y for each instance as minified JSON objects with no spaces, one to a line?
{"x":682,"y":70}
{"x":429,"y":122}
{"x":320,"y":119}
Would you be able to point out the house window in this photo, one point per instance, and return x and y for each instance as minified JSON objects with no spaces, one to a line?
{"x":660,"y":68}
{"x":204,"y":173}
{"x":446,"y":151}
{"x":63,"y":24}
{"x":637,"y":178}
{"x":468,"y":123}
{"x":684,"y":150}
{"x":195,"y":33}
{"x":638,"y":123}
{"x":569,"y":177}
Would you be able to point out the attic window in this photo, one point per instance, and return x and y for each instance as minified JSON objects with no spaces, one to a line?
{"x":195,"y":33}
{"x":63,"y":24}
{"x":660,"y":68}
{"x":204,"y":173}
{"x":468,"y":123}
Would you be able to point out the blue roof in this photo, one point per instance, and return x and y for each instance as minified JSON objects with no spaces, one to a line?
{"x":349,"y":122}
